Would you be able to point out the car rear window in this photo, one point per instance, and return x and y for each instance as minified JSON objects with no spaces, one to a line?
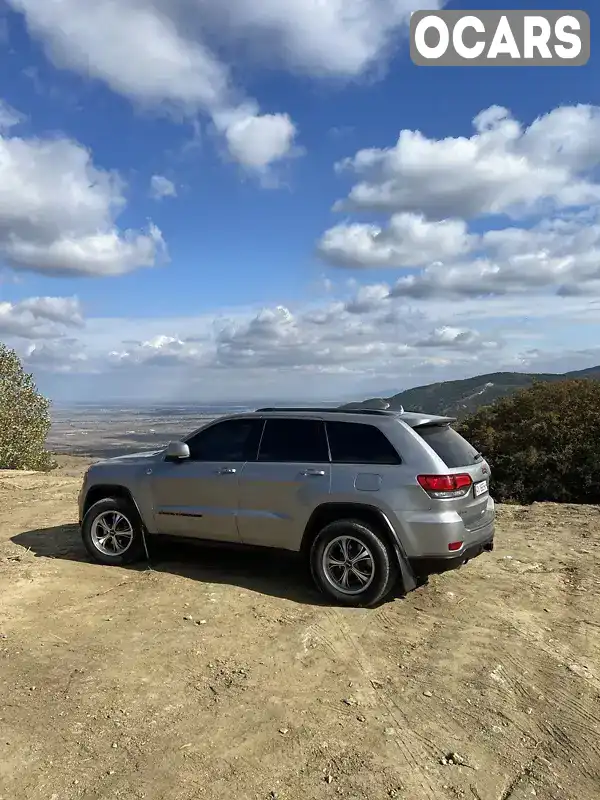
{"x":449,"y":445}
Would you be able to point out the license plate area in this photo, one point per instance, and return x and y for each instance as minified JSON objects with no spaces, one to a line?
{"x":479,"y":488}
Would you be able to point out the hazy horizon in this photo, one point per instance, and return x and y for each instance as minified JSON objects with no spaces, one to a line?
{"x":253,"y":402}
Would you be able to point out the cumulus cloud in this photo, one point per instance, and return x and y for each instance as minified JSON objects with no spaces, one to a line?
{"x":372,"y":332}
{"x":368,"y":342}
{"x":160,"y":350}
{"x":361,"y":333}
{"x":58,"y":212}
{"x":39,"y":317}
{"x":339,"y":38}
{"x":161,"y":187}
{"x":540,"y":180}
{"x":151,"y":55}
{"x":138,"y":48}
{"x":256,"y":141}
{"x":156,"y":53}
{"x":504,"y":167}
{"x":559,"y":255}
{"x":368,"y":332}
{"x":64,"y":357}
{"x":409,"y":240}
{"x":448,"y":337}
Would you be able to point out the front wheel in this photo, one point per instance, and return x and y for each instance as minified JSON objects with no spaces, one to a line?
{"x":112,"y":532}
{"x":353,"y":564}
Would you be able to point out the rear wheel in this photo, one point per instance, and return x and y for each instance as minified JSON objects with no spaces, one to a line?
{"x":353,"y":564}
{"x":112,"y":532}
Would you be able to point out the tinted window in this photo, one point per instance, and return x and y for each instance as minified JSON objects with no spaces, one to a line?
{"x":296,"y":440}
{"x":230,"y":440}
{"x":449,"y":445}
{"x":353,"y":443}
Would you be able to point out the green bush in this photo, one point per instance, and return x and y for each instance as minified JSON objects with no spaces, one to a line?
{"x":542,"y":443}
{"x":24,"y":417}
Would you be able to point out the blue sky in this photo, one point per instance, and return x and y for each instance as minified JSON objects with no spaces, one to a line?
{"x":167,"y":188}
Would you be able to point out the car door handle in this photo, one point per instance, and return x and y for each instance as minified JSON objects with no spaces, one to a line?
{"x":312,"y":473}
{"x":227,"y":471}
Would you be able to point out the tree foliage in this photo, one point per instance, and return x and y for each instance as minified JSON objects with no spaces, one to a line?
{"x":542,"y":443}
{"x":24,"y":417}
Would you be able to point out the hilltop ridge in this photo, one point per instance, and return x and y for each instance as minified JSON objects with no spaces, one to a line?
{"x":461,"y":397}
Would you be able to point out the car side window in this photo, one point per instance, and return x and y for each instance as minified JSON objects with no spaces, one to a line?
{"x":356,"y":443}
{"x":230,"y":440}
{"x":295,"y":441}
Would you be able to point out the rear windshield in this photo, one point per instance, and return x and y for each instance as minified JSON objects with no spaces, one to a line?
{"x":449,"y":445}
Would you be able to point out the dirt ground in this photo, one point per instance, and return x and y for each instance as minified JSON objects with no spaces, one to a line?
{"x":220,"y":675}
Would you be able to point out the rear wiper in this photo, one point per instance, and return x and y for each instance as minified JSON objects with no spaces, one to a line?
{"x":477,"y":457}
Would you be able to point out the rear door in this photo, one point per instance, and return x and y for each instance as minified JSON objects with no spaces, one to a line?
{"x":363,"y":460}
{"x":461,"y":457}
{"x":278,"y":491}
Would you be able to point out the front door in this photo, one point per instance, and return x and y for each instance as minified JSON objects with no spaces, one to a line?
{"x":280,"y":489}
{"x":198,"y":497}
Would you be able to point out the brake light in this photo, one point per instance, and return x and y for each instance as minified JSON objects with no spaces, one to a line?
{"x":445,"y":485}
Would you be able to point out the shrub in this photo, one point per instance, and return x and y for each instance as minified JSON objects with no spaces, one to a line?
{"x":24,"y":417}
{"x":542,"y":443}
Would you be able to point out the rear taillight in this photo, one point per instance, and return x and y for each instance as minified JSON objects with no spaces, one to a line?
{"x":445,"y":485}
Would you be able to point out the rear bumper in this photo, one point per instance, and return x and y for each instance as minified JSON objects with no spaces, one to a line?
{"x":431,"y":565}
{"x":430,"y":533}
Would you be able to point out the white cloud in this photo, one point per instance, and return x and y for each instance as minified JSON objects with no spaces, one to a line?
{"x":542,"y":178}
{"x":502,"y":167}
{"x":371,"y":297}
{"x":559,"y":255}
{"x":409,"y":240}
{"x":369,"y":331}
{"x":62,"y":357}
{"x":160,"y":350}
{"x":355,"y":344}
{"x":341,"y":38}
{"x":155,"y":52}
{"x":257,"y":141}
{"x":356,"y":335}
{"x":161,"y":187}
{"x":63,"y":310}
{"x":150,"y":55}
{"x":58,"y":212}
{"x":138,"y":49}
{"x":451,"y":337}
{"x":39,"y":317}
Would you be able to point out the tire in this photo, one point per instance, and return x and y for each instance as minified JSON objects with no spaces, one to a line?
{"x":380,"y":564}
{"x":129,"y":540}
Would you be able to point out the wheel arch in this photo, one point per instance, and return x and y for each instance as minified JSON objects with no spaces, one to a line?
{"x":106,"y":490}
{"x":361,"y":512}
{"x":331,"y":512}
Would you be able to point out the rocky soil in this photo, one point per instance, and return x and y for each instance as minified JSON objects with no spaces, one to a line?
{"x":212,"y":674}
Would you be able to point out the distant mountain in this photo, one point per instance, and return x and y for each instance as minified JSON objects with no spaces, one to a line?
{"x":459,"y":398}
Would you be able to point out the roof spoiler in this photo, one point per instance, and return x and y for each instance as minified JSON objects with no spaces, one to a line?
{"x":434,"y":420}
{"x":374,"y":404}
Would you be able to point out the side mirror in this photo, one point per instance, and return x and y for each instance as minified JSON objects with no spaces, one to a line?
{"x":177,"y":451}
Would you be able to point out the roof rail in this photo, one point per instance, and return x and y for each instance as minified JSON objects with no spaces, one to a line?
{"x":321,"y":409}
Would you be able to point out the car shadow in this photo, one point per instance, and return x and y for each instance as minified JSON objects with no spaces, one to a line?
{"x":274,"y":573}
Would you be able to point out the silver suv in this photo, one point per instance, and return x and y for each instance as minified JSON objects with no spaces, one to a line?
{"x":368,"y":497}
